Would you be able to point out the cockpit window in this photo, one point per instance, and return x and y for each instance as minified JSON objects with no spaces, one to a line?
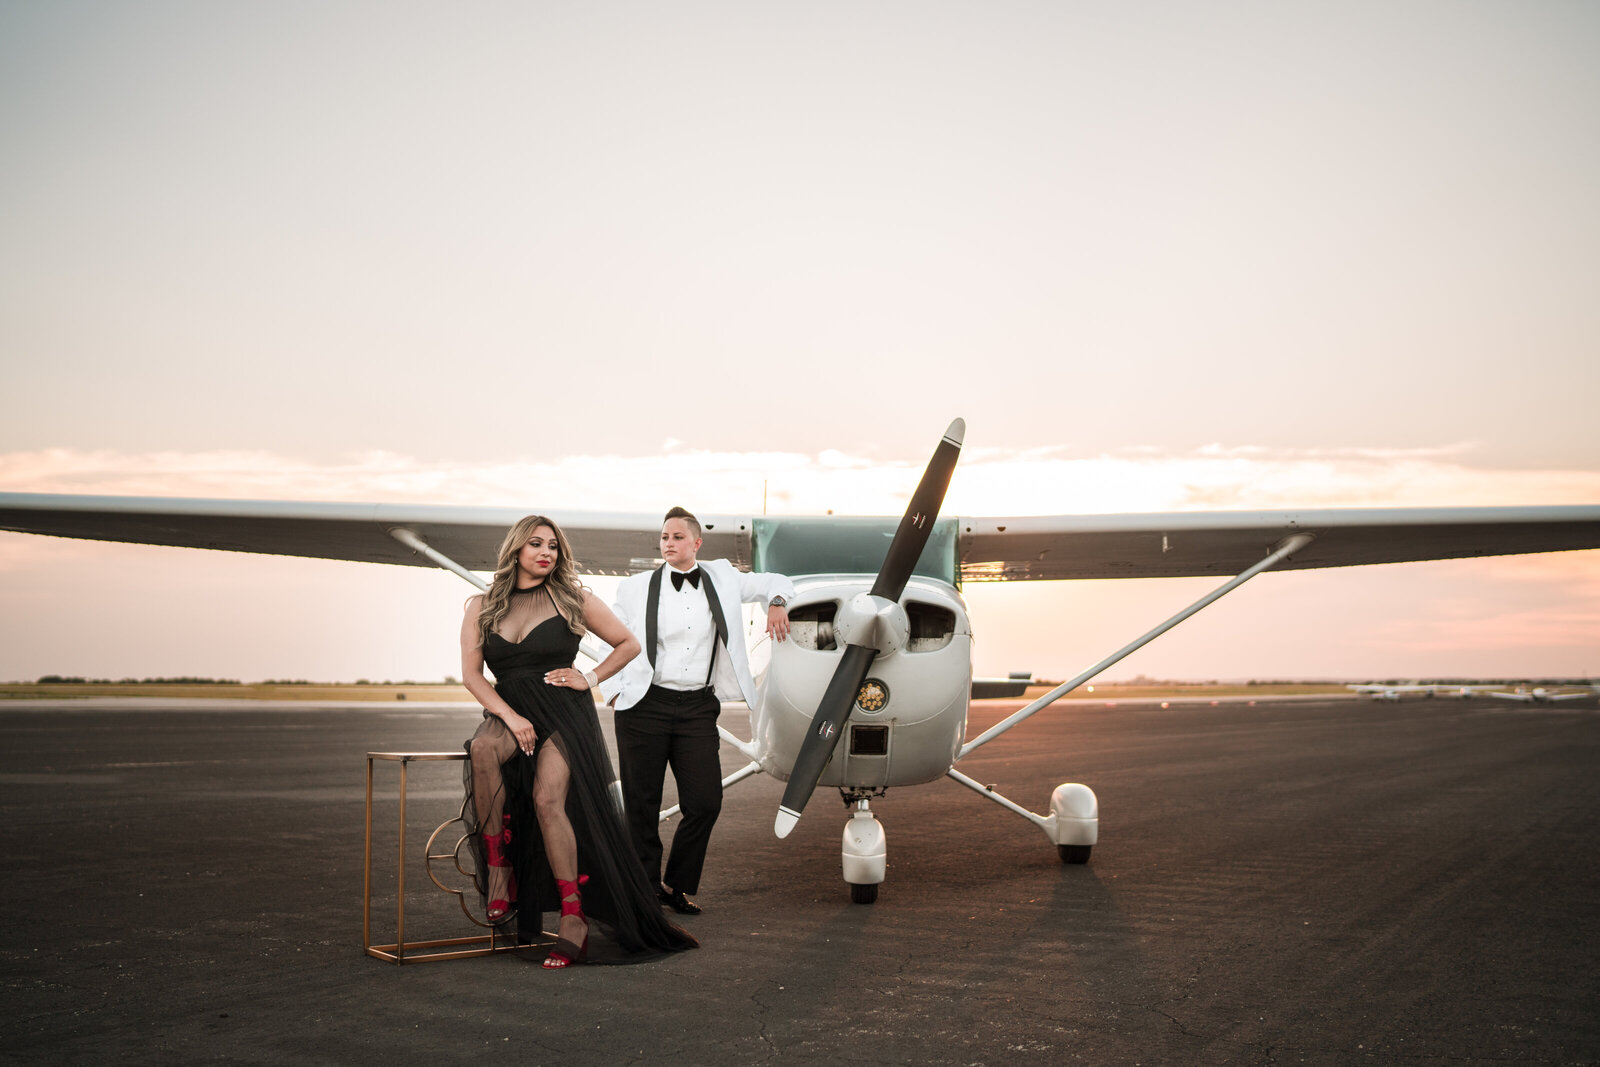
{"x":846,"y":545}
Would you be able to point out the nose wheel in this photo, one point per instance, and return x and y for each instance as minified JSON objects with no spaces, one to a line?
{"x":865,"y":853}
{"x":1074,"y":853}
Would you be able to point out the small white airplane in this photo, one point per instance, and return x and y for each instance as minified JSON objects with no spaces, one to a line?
{"x":1392,"y":692}
{"x":1460,"y":692}
{"x":1536,"y":695}
{"x":872,"y":691}
{"x":1541,"y":695}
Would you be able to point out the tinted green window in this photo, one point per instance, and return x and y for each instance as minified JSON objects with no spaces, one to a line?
{"x":846,"y":545}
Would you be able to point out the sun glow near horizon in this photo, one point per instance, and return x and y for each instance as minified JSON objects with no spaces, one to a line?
{"x":1515,"y":616}
{"x":987,"y":482}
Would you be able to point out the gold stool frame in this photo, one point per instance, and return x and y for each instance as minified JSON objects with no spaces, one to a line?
{"x":450,"y":948}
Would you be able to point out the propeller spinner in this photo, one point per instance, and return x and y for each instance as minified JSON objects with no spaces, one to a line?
{"x":863,"y":644}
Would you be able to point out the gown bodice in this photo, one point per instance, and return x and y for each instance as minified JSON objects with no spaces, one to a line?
{"x":548,"y":645}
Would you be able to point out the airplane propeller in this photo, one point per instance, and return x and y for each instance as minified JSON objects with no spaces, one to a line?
{"x":863,"y":642}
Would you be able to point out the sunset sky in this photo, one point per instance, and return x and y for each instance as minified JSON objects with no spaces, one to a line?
{"x":620,"y":256}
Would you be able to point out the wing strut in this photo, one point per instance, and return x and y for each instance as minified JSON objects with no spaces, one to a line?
{"x":1285,"y":549}
{"x":417,"y":544}
{"x":590,"y":646}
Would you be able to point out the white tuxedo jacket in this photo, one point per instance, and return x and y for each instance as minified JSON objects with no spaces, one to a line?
{"x":732,"y":667}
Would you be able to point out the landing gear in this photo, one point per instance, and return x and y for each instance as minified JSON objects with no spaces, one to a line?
{"x":1074,"y":822}
{"x":865,"y":853}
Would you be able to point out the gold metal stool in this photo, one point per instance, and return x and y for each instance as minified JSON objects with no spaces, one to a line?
{"x":450,"y":948}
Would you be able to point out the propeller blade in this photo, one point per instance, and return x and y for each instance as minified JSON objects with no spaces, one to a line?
{"x":917,"y":524}
{"x":910,"y":538}
{"x":826,"y":729}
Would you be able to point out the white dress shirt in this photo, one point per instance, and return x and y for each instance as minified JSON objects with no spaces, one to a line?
{"x":686,"y":635}
{"x":734,"y":588}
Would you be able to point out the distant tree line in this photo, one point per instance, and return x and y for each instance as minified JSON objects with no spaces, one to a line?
{"x":59,"y":679}
{"x":73,"y":679}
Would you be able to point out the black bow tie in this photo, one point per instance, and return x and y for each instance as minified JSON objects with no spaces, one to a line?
{"x":679,"y":576}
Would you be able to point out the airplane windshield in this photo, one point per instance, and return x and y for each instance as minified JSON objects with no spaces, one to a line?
{"x":846,"y":545}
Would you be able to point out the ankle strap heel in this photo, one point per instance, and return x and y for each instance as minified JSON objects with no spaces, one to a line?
{"x":572,"y":889}
{"x":494,"y":845}
{"x":565,"y":953}
{"x":495,"y":855}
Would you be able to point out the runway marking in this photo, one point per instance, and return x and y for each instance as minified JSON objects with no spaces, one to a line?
{"x":175,"y":763}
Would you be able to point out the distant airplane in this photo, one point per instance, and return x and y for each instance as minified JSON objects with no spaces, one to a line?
{"x":872,"y":690}
{"x":1538,"y":695}
{"x":1541,"y":695}
{"x":1461,"y":692}
{"x":1391,"y":692}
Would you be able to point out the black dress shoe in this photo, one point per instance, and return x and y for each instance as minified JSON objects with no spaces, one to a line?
{"x":675,"y":900}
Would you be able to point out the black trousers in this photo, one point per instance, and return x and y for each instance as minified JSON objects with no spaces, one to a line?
{"x":672,"y":728}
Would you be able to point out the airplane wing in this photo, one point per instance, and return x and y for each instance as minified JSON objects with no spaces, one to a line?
{"x":1543,"y":696}
{"x":1156,"y":545}
{"x":608,"y":542}
{"x":1187,"y":544}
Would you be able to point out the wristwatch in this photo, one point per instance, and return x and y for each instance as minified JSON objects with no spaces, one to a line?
{"x":777,"y":602}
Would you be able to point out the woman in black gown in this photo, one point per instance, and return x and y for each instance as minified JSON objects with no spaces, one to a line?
{"x":544,"y":827}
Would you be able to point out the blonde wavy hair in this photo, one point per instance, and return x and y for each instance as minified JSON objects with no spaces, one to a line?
{"x":565,"y":590}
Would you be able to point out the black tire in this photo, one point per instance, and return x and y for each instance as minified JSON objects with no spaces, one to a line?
{"x":1074,"y":853}
{"x":863,"y":894}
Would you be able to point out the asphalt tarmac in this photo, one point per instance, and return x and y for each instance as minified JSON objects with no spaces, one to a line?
{"x":1322,"y":881}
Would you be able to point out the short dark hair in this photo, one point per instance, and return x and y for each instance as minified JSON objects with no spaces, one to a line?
{"x":683,"y":513}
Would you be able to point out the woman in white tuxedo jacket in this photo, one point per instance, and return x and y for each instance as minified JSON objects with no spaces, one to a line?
{"x":687,"y":616}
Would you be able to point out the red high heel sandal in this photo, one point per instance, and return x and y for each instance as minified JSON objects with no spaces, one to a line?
{"x":494,"y":852}
{"x":565,"y":952}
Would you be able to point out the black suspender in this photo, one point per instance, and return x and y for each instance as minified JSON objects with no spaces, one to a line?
{"x":652,"y":608}
{"x":716,"y":608}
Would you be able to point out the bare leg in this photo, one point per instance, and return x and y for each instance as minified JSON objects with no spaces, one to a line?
{"x":491,"y":746}
{"x":560,"y":844}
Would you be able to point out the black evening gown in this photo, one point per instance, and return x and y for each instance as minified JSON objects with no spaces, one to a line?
{"x":626,"y":923}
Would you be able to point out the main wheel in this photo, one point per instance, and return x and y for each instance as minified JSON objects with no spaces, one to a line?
{"x":863,"y":894}
{"x":1074,"y":853}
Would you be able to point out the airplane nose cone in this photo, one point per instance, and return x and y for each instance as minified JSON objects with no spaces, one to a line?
{"x":873,"y":622}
